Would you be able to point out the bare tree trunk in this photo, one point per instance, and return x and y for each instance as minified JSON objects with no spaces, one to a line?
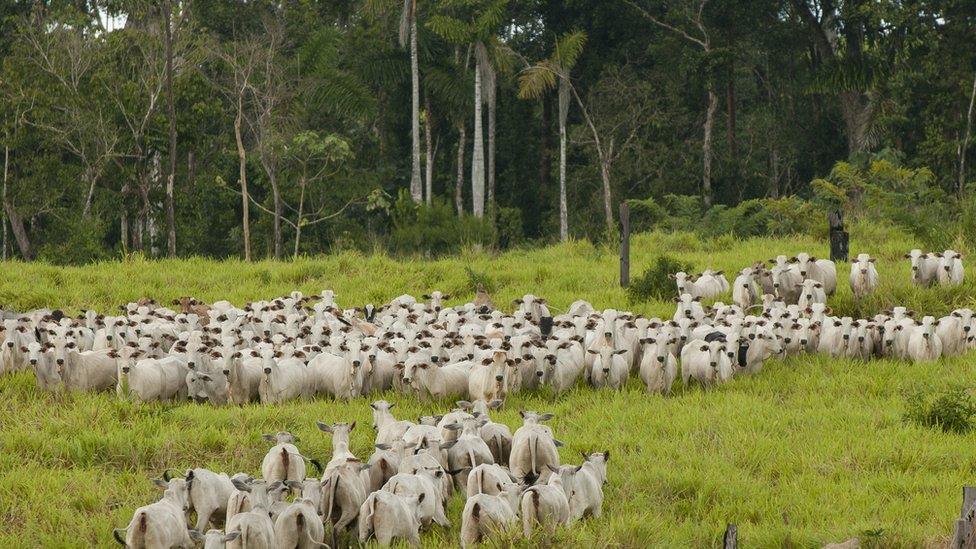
{"x":276,"y":196}
{"x":301,"y":207}
{"x":492,"y":105}
{"x":3,"y":196}
{"x":20,"y":233}
{"x":730,"y":130}
{"x":545,"y":146}
{"x":416,"y":185}
{"x":707,"y":149}
{"x":431,"y":151}
{"x":478,"y":155}
{"x":242,"y":159}
{"x":90,"y":178}
{"x":965,"y":140}
{"x":171,"y":114}
{"x":563,"y":203}
{"x":607,"y":199}
{"x":124,"y":220}
{"x":459,"y":180}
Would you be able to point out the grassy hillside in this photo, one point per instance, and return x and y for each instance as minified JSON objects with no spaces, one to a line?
{"x":809,"y":451}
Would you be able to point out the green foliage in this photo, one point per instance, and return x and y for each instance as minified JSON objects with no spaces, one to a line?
{"x":655,"y":282}
{"x":951,"y":410}
{"x":81,"y":241}
{"x":435,"y":229}
{"x":764,"y":217}
{"x":645,"y":214}
{"x":508,"y":224}
{"x":476,"y":278}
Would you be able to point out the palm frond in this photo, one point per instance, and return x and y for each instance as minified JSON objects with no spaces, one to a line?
{"x":450,"y":28}
{"x":487,"y":23}
{"x":537,"y":80}
{"x":568,"y":49}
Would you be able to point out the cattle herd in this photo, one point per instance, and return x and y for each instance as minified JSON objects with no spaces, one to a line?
{"x":299,"y":346}
{"x":402,"y":489}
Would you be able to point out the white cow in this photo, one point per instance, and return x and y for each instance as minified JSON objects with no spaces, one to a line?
{"x":864,"y":276}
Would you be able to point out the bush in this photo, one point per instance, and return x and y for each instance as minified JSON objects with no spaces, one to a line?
{"x":508,"y":226}
{"x":435,"y":229}
{"x":762,"y":217}
{"x":75,"y":242}
{"x":654,"y":282}
{"x":951,"y":410}
{"x":645,"y":215}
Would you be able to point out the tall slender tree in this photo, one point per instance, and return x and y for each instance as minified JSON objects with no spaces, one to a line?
{"x":408,"y":35}
{"x":542,"y":77}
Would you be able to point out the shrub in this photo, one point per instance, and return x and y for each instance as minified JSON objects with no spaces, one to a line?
{"x":654,"y":282}
{"x":951,"y":410}
{"x":75,"y":242}
{"x":762,"y":217}
{"x":508,"y":225}
{"x":435,"y":229}
{"x":645,"y":215}
{"x":475,"y":278}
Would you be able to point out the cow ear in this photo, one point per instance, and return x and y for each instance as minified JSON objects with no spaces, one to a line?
{"x":323,"y":426}
{"x":872,"y":260}
{"x":352,"y":426}
{"x":907,"y":256}
{"x":703,"y":348}
{"x":697,"y":299}
{"x":160,"y":483}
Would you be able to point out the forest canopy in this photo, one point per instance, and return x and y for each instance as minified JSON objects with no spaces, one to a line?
{"x":271,"y":129}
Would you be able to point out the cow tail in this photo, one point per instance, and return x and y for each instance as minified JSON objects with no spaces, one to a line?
{"x":533,"y":452}
{"x":285,"y":460}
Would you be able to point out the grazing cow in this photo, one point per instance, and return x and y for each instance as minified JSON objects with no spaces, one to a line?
{"x":484,"y":515}
{"x":425,"y":484}
{"x":388,"y":516}
{"x":744,"y":293}
{"x":864,"y":276}
{"x":546,"y":505}
{"x":534,"y":449}
{"x":924,"y":267}
{"x":341,"y":377}
{"x":161,"y":524}
{"x":924,"y":344}
{"x":569,"y":364}
{"x":388,"y":428}
{"x":209,"y":494}
{"x":299,"y":526}
{"x":41,"y":359}
{"x":283,"y":462}
{"x":343,"y":493}
{"x":586,"y":486}
{"x":658,"y":366}
{"x":705,"y":361}
{"x":950,"y":270}
{"x":84,"y":370}
{"x":283,"y":380}
{"x":821,"y":270}
{"x":468,"y":451}
{"x":609,"y":368}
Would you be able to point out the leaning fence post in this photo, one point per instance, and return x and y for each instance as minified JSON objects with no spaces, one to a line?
{"x":731,"y":538}
{"x":624,"y":245}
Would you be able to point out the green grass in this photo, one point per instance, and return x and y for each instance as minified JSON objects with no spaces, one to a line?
{"x":810,"y":451}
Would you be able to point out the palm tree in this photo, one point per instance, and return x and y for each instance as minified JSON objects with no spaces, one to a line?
{"x":408,"y":32}
{"x":479,"y":31}
{"x":536,"y":80}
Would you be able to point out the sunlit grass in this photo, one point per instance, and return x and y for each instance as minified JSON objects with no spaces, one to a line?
{"x":810,"y":451}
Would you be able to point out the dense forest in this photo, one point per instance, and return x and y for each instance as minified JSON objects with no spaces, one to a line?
{"x":271,"y":129}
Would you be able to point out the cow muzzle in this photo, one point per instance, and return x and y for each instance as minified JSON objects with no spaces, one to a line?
{"x":499,"y":378}
{"x":267,"y":370}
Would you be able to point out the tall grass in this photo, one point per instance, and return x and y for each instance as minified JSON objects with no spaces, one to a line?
{"x":809,"y":451}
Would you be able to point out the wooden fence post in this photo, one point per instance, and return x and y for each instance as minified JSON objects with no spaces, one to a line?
{"x":965,"y":534}
{"x":838,"y":236}
{"x":731,"y":538}
{"x":624,"y":245}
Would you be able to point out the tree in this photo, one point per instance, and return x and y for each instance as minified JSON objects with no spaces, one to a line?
{"x":535,"y":81}
{"x":691,"y":10}
{"x":408,"y":31}
{"x":478,"y":30}
{"x":314,"y":159}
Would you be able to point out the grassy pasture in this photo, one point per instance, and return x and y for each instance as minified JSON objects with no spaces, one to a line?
{"x":809,"y":451}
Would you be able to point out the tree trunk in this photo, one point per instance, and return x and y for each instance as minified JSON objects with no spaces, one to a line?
{"x":3,"y":196}
{"x":607,"y":207}
{"x":242,"y":160}
{"x":124,"y":220}
{"x":431,"y":151}
{"x":416,"y":185}
{"x":301,"y":208}
{"x":492,"y":105}
{"x":90,"y":197}
{"x":965,"y":140}
{"x":478,"y":155}
{"x":459,"y":180}
{"x":20,"y":233}
{"x":171,"y":114}
{"x":563,"y":203}
{"x":707,"y":149}
{"x":269,"y":168}
{"x":545,"y":145}
{"x":730,"y":130}
{"x":858,"y":117}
